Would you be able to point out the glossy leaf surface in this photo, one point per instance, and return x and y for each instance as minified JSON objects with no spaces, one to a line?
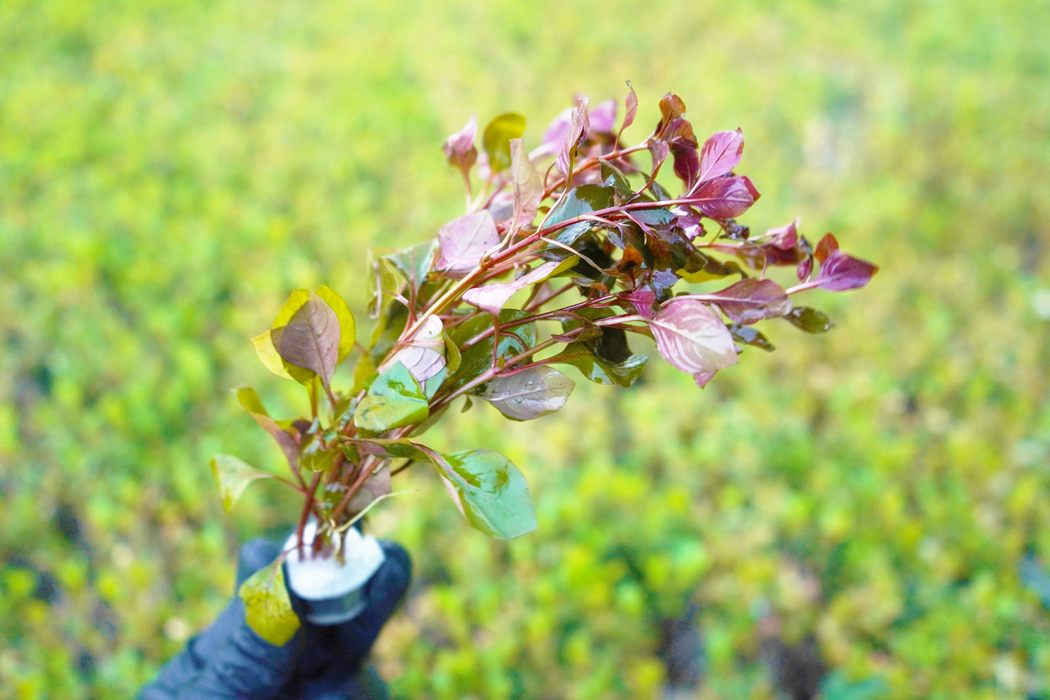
{"x":492,"y":297}
{"x":394,"y":400}
{"x":725,"y":197}
{"x":752,"y":300}
{"x":809,"y":319}
{"x":528,"y":394}
{"x":477,"y":358}
{"x":720,"y":154}
{"x":490,"y":492}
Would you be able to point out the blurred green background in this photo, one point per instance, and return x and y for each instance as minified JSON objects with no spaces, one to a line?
{"x":875,"y":500}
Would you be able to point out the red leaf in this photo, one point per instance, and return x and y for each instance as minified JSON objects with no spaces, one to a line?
{"x":725,"y":197}
{"x":686,"y":162}
{"x":757,"y":300}
{"x":720,"y":154}
{"x":631,"y":109}
{"x":828,"y":245}
{"x":784,"y":237}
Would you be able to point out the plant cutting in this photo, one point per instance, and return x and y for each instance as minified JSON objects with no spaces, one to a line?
{"x":563,"y":253}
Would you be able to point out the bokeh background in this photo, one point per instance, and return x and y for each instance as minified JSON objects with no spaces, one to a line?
{"x":867,"y":510}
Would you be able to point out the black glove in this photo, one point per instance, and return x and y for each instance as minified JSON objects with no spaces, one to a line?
{"x":229,"y":660}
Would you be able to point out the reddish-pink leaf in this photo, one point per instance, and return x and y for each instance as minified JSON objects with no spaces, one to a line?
{"x":579,"y":126}
{"x":784,"y":237}
{"x":630,"y":109}
{"x":720,"y":154}
{"x":492,"y":297}
{"x":828,"y":245}
{"x":725,"y":197}
{"x":752,"y":300}
{"x":459,"y":147}
{"x":603,"y":117}
{"x":704,"y":378}
{"x":659,"y":150}
{"x":686,"y":162}
{"x":693,"y":337}
{"x":557,"y":131}
{"x":840,"y":272}
{"x":463,"y":242}
{"x":642,"y":299}
{"x":424,"y":354}
{"x":805,"y":268}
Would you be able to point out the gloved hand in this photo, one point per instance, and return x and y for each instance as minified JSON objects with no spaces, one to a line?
{"x":229,"y":660}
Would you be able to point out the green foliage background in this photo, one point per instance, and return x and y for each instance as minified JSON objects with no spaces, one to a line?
{"x":170,"y":170}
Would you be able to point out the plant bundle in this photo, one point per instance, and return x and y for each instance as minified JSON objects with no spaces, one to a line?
{"x":563,"y":253}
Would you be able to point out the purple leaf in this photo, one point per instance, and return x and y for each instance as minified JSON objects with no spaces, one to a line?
{"x":630,"y":109}
{"x":459,"y":147}
{"x":784,"y":237}
{"x":463,"y":242}
{"x":754,"y":300}
{"x":725,"y":197}
{"x":805,"y":269}
{"x":492,"y":297}
{"x":310,"y":340}
{"x":424,"y":354}
{"x":557,"y":131}
{"x":578,"y":127}
{"x":686,"y":162}
{"x":692,"y":337}
{"x":529,"y":394}
{"x":720,"y":154}
{"x":840,"y":272}
{"x":603,"y":117}
{"x":527,"y":184}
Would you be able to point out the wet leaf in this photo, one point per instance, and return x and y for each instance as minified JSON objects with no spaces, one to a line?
{"x":459,"y":147}
{"x":725,"y":197}
{"x":497,"y":138}
{"x":492,"y":297}
{"x":347,"y":324}
{"x":809,"y":319}
{"x":489,"y":491}
{"x":249,"y":400}
{"x":233,"y":476}
{"x":758,"y":299}
{"x":526,"y":183}
{"x":267,"y":607}
{"x":528,"y":394}
{"x":720,"y":154}
{"x":394,"y":400}
{"x":692,"y":337}
{"x":464,"y":241}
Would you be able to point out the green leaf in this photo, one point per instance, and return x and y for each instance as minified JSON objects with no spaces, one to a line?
{"x":267,"y":607}
{"x":834,"y":686}
{"x":347,"y":324}
{"x":394,"y":400}
{"x":382,"y":285}
{"x":414,"y":263}
{"x":478,"y":357}
{"x":363,"y":372}
{"x":581,"y":200}
{"x":809,"y":319}
{"x":249,"y":400}
{"x":615,"y":178}
{"x":489,"y":491}
{"x":452,"y":355}
{"x":582,"y":357}
{"x":497,"y":137}
{"x":233,"y":476}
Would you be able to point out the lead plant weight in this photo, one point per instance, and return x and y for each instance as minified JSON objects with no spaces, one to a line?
{"x":577,"y":231}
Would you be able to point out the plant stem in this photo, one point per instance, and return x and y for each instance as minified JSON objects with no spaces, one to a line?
{"x":306,"y":511}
